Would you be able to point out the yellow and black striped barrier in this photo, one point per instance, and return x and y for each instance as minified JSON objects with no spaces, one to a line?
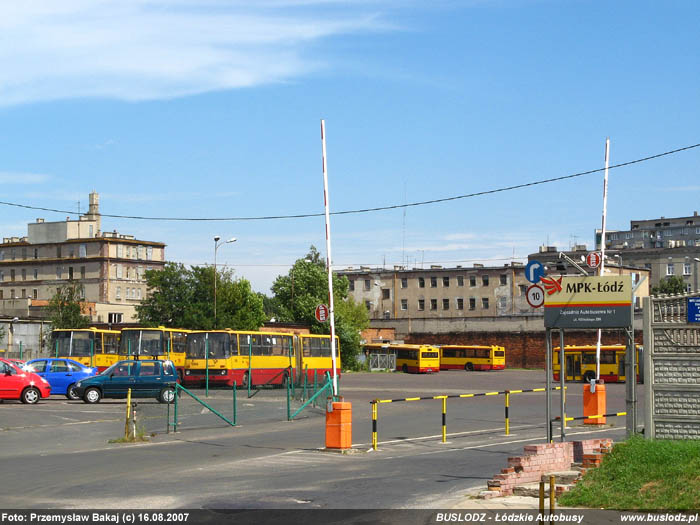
{"x":444,"y":398}
{"x":578,"y":418}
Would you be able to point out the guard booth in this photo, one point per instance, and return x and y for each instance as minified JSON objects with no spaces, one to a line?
{"x":589,"y":302}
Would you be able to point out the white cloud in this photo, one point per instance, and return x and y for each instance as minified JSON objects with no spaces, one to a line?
{"x":150,"y":49}
{"x":18,"y":177}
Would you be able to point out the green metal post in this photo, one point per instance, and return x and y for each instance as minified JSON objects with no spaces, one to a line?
{"x":234,"y":402}
{"x":206,"y":358}
{"x":289,"y":411}
{"x":129,"y":348}
{"x":20,"y":350}
{"x":315,"y":384}
{"x":305,"y":381}
{"x":56,"y":347}
{"x":92,"y":352}
{"x":175,"y":412}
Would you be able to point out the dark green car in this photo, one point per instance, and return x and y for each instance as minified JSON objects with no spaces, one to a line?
{"x":145,"y":378}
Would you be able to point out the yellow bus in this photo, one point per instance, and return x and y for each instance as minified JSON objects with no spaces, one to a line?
{"x":261,"y":357}
{"x":416,"y":359}
{"x":580,"y":362}
{"x":472,"y":357}
{"x":93,"y":347}
{"x":155,"y":343}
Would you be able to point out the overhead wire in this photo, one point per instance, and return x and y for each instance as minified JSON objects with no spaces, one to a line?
{"x":368,"y":210}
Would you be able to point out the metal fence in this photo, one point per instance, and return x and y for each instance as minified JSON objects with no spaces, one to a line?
{"x":382,"y":361}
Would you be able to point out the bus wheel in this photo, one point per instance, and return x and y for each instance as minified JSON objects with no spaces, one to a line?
{"x":245,"y":380}
{"x":405,"y":369}
{"x":588,"y":376}
{"x":469,"y":367}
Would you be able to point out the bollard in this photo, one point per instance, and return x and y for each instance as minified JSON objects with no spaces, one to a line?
{"x":374,"y":424}
{"x":234,"y":402}
{"x":444,"y":419}
{"x":506,"y":412}
{"x":541,"y":500}
{"x":552,"y":495}
{"x":128,"y":413}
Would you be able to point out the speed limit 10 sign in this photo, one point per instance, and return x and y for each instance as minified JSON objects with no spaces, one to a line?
{"x":535,"y":296}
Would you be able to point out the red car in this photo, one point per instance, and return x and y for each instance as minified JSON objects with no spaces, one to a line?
{"x":16,"y":383}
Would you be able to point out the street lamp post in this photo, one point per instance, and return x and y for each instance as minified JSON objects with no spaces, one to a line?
{"x":216,"y":247}
{"x":695,"y":273}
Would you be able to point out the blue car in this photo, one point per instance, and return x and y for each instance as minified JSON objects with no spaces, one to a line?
{"x":62,"y":374}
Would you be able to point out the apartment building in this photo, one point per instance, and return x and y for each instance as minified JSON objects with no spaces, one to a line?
{"x":437,"y":292}
{"x":109,"y":265}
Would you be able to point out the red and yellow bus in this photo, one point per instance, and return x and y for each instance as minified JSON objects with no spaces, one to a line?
{"x":472,"y":357}
{"x":93,"y":347}
{"x":261,"y":357}
{"x":580,"y":363}
{"x":155,"y":343}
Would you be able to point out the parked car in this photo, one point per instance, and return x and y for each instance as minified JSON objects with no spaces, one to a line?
{"x":145,"y":378}
{"x":62,"y":374}
{"x":26,"y":386}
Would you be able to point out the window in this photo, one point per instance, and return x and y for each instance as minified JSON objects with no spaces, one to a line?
{"x":433,"y":282}
{"x":2,"y":255}
{"x":351,"y":286}
{"x":83,"y":250}
{"x":149,"y":252}
{"x":368,"y":305}
{"x":120,"y":250}
{"x":504,"y":279}
{"x":445,"y":304}
{"x":59,"y":366}
{"x":685,"y":231}
{"x":386,"y":293}
{"x":688,"y":288}
{"x":150,"y":369}
{"x":460,"y":303}
{"x":502,"y":303}
{"x":668,"y":233}
{"x":119,"y":271}
{"x":119,"y":292}
{"x":472,"y":280}
{"x":421,"y":282}
{"x":138,"y":294}
{"x":460,"y":280}
{"x":70,"y":273}
{"x":59,"y":272}
{"x":404,"y":304}
{"x":697,"y":231}
{"x":485,"y":280}
{"x":36,"y":253}
{"x":433,"y":304}
{"x":629,"y":235}
{"x":1,"y":294}
{"x":404,"y":282}
{"x":24,"y":253}
{"x":58,"y":251}
{"x":114,"y":318}
{"x":12,"y":294}
{"x":669,"y":269}
{"x":24,"y":293}
{"x":485,"y":303}
{"x":523,"y":289}
{"x":35,"y":293}
{"x":472,"y":303}
{"x":82,"y":272}
{"x":421,"y":304}
{"x":12,"y":275}
{"x":686,"y":269}
{"x":446,"y":282}
{"x":2,"y":276}
{"x":24,"y":274}
{"x":36,"y":273}
{"x":367,"y":285}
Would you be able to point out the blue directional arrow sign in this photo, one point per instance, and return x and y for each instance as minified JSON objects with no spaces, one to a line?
{"x":534,"y":271}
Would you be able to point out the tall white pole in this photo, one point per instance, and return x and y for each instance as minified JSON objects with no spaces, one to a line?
{"x":328,"y":256}
{"x":602,"y":246}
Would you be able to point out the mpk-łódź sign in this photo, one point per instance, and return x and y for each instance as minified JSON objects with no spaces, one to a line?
{"x":588,"y":301}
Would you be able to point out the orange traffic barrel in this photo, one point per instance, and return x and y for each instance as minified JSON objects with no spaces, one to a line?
{"x":594,"y":404}
{"x":339,"y":425}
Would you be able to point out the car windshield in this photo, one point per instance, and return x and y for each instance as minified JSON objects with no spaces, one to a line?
{"x":117,"y":368}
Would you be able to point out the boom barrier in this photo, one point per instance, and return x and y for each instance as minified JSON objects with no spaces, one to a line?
{"x":376,"y":402}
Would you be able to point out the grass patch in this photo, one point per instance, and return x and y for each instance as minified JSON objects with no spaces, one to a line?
{"x":642,"y":475}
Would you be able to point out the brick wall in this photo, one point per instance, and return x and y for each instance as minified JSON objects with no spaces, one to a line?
{"x":523,"y":349}
{"x":546,"y":458}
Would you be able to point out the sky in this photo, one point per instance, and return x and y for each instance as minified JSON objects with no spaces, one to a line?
{"x":211,"y":109}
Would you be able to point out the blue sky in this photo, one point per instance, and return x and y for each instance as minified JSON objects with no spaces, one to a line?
{"x":211,"y":108}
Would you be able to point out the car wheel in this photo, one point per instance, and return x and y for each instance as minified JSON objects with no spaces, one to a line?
{"x":92,"y":395}
{"x":469,"y":367}
{"x":71,"y":393}
{"x":167,"y":395}
{"x":30,"y":396}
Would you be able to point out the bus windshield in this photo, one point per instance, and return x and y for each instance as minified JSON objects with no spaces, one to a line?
{"x":219,"y":345}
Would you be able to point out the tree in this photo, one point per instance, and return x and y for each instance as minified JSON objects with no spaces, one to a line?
{"x":184,"y":298}
{"x":672,"y":285}
{"x":66,"y":307}
{"x":297,"y":294}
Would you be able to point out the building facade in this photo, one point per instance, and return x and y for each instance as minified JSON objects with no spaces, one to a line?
{"x":110,"y":267}
{"x":438,"y":292}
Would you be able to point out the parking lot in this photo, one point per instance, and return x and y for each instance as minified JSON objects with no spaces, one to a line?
{"x":56,"y":436}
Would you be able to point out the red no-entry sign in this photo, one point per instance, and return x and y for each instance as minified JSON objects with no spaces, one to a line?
{"x":321,"y":313}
